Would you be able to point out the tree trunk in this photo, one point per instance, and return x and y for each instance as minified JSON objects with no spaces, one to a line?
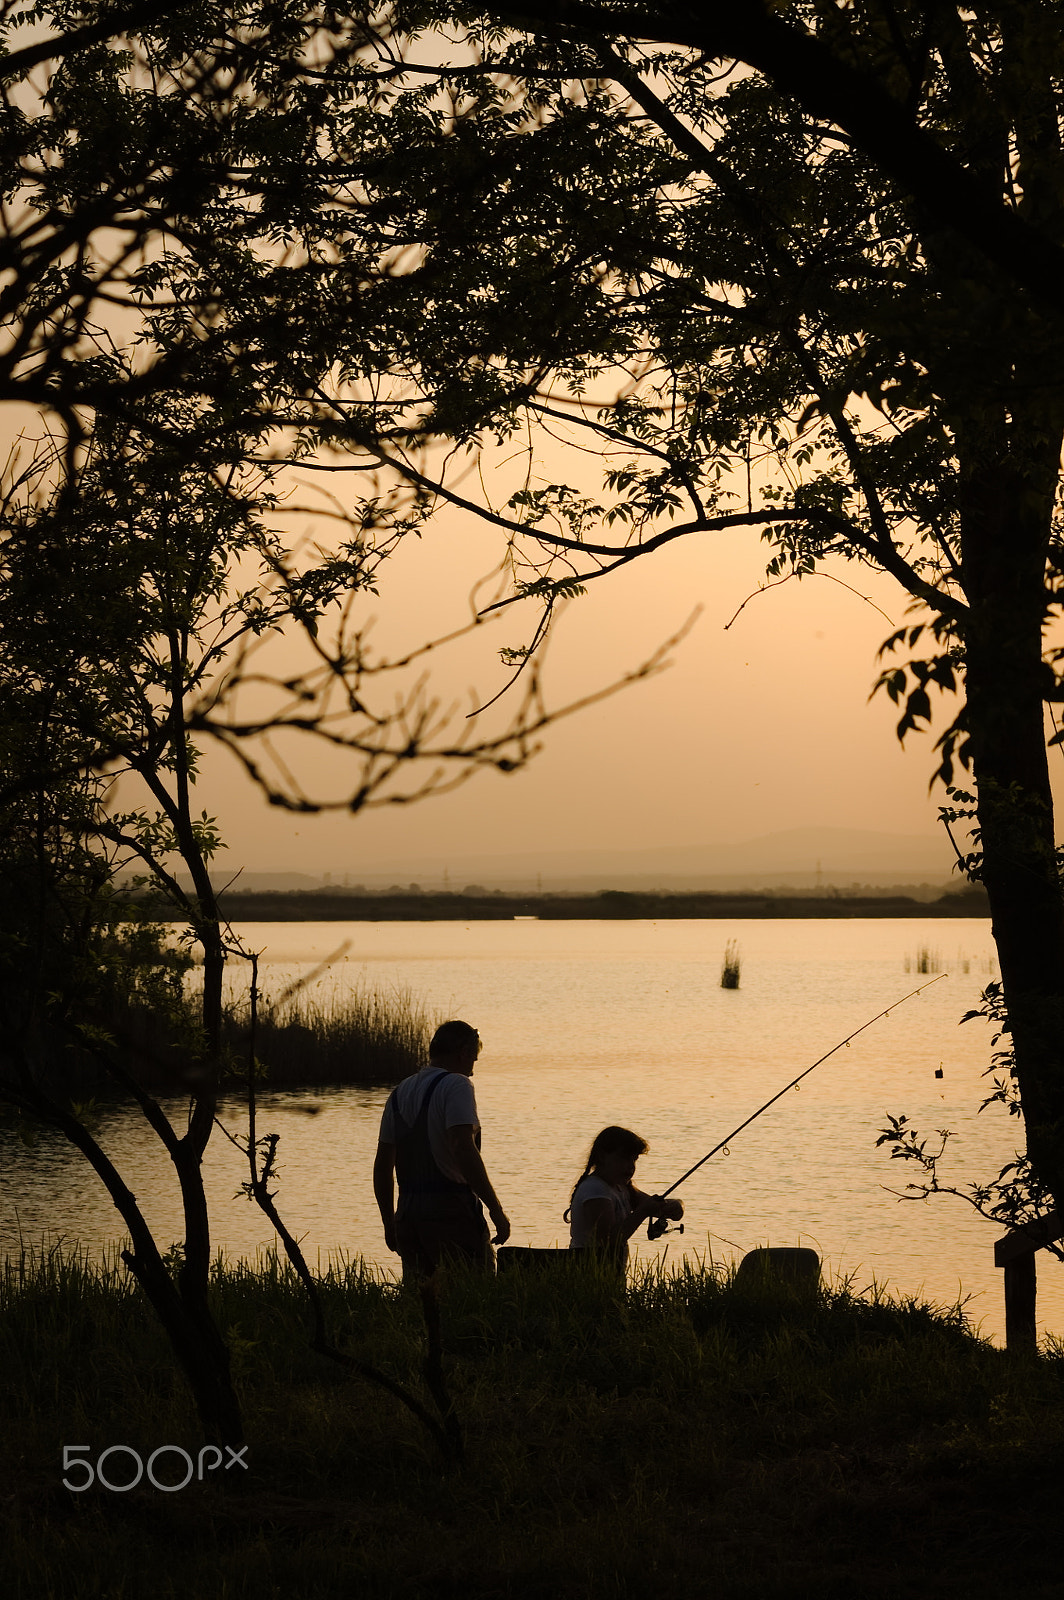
{"x":199,"y":1347}
{"x":1006,"y":507}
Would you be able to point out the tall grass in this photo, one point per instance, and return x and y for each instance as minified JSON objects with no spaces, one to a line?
{"x":683,"y":1436}
{"x":731,"y":967}
{"x":369,"y":1036}
{"x":365,"y":1036}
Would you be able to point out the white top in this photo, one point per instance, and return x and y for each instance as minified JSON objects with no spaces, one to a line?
{"x":595,"y":1188}
{"x":453,"y":1105}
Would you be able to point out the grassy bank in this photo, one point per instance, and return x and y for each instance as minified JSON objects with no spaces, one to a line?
{"x":691,"y":1438}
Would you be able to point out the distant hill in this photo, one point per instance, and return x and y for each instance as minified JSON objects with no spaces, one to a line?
{"x":791,"y":859}
{"x":255,"y":882}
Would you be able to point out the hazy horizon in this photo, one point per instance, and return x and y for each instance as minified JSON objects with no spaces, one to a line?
{"x":757,"y":728}
{"x":762,"y":723}
{"x":792,"y":858}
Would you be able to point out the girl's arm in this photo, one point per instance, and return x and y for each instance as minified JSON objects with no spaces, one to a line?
{"x":652,"y":1206}
{"x":607,"y":1230}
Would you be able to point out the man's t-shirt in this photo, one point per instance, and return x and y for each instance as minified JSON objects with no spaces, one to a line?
{"x":452,"y":1106}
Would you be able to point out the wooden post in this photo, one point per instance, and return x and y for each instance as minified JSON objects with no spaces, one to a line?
{"x":1016,"y":1254}
{"x":1021,"y":1287}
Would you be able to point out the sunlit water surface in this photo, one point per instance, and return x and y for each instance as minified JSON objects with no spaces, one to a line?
{"x":588,"y":1023}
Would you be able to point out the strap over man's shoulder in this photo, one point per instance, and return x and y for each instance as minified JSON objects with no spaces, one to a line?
{"x":393,"y":1101}
{"x":431,"y":1090}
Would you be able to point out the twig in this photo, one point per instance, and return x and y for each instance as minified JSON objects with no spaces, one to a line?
{"x":764,"y":587}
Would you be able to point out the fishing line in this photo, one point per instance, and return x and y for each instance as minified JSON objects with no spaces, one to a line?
{"x":654,"y":1230}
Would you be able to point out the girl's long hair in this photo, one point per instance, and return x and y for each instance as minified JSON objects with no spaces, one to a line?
{"x":604,"y":1144}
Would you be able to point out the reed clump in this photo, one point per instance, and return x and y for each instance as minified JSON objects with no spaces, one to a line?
{"x":369,"y":1036}
{"x":731,"y":967}
{"x":925,"y":960}
{"x":360,"y":1036}
{"x":677,"y":1436}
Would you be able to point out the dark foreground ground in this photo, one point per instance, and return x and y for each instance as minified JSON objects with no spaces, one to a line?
{"x":688,"y":1439}
{"x":299,"y":906}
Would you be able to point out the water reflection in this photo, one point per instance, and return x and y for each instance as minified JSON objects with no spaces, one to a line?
{"x":590,"y":1023}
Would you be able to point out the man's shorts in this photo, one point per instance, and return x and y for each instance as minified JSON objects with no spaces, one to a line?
{"x":437,"y":1226}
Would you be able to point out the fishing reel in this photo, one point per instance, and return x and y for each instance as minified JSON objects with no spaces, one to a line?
{"x":656,"y":1226}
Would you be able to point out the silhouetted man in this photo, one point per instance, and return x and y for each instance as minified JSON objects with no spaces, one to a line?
{"x":430,"y":1142}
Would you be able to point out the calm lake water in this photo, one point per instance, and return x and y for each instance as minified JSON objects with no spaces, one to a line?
{"x":588,"y":1023}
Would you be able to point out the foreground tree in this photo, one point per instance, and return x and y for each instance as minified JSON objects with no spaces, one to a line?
{"x":201,"y":287}
{"x":760,"y":310}
{"x":141,"y":619}
{"x":761,"y":305}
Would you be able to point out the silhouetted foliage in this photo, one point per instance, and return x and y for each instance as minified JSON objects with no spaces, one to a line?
{"x":790,"y":269}
{"x":190,"y":258}
{"x":793,"y":269}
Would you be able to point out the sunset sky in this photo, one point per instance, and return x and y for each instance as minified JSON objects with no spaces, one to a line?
{"x":753,"y":729}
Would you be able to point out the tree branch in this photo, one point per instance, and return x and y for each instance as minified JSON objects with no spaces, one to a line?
{"x":800,"y":65}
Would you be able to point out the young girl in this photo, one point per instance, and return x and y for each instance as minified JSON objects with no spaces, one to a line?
{"x":606,"y":1208}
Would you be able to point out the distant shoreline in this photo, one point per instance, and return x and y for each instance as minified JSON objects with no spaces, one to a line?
{"x":607,"y":905}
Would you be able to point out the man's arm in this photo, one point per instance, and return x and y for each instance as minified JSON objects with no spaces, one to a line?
{"x":468,"y":1160}
{"x":384,"y":1189}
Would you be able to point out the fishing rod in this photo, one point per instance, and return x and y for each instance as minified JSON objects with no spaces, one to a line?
{"x":656,"y":1226}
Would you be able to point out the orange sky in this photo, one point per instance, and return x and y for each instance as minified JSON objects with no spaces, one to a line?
{"x":758,"y":728}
